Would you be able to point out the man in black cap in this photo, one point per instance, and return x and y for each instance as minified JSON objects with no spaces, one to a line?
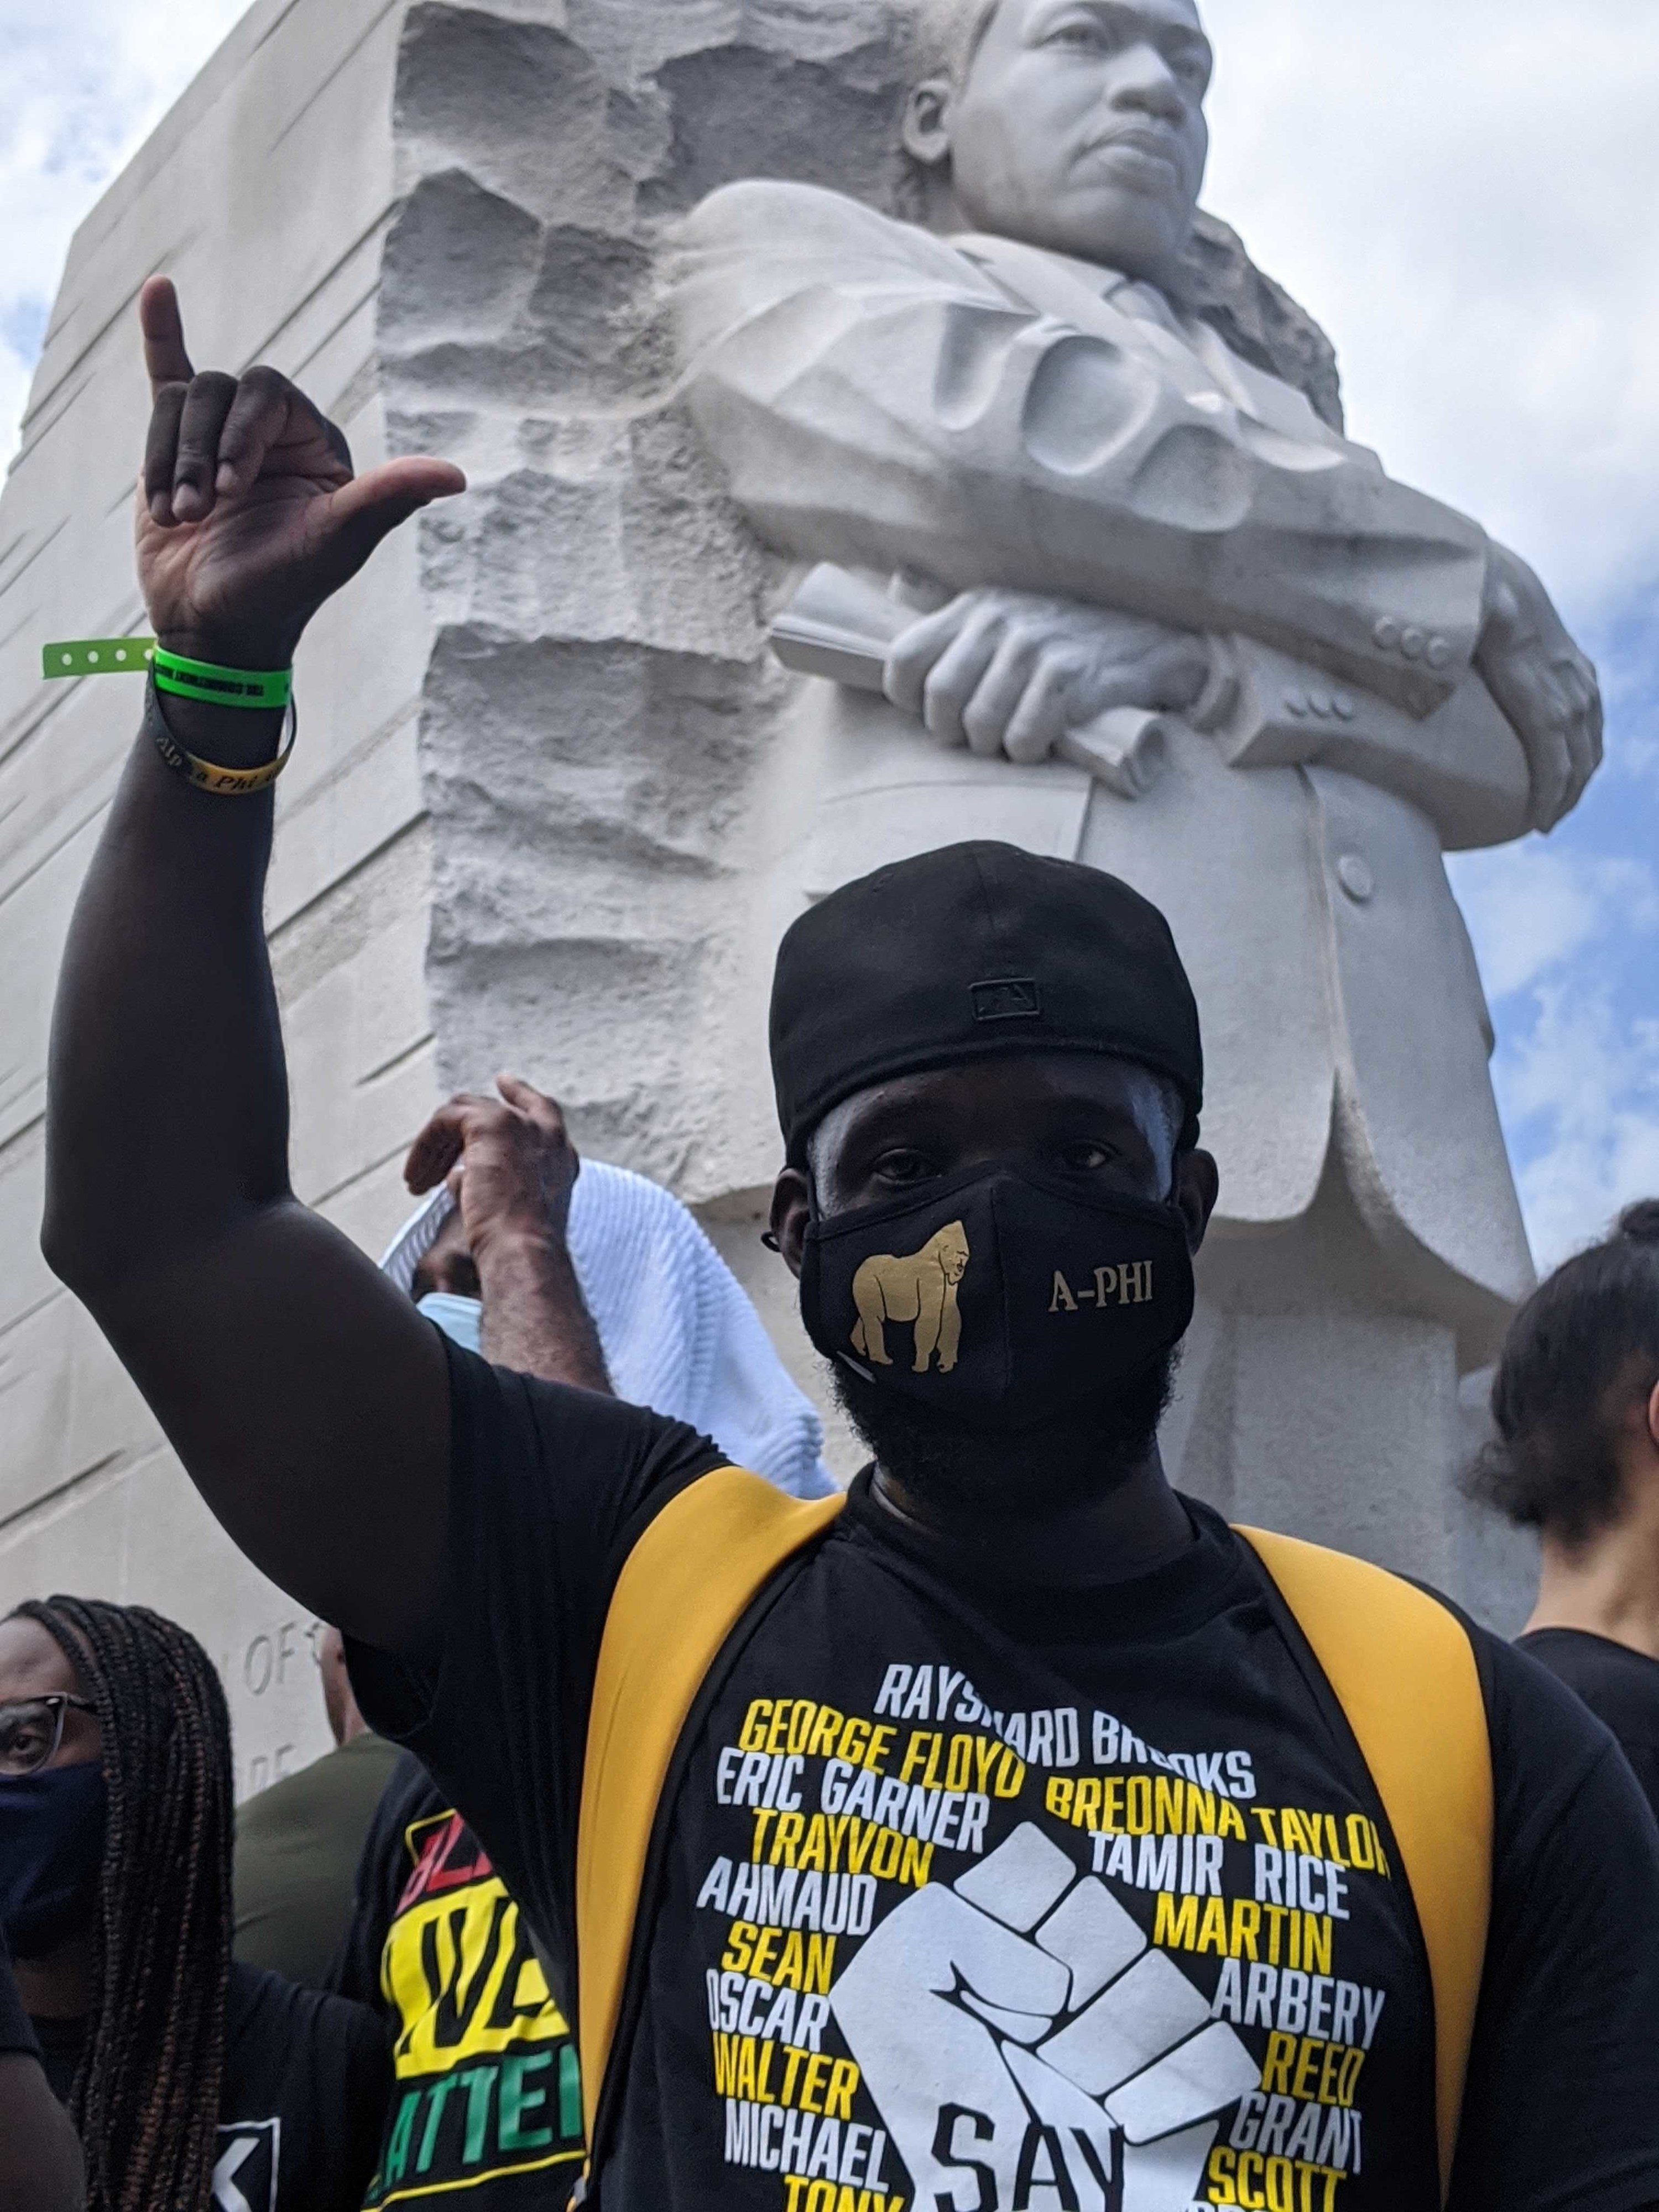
{"x":1012,"y":1845}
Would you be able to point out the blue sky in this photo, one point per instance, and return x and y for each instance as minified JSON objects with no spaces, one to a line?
{"x":1464,"y":195}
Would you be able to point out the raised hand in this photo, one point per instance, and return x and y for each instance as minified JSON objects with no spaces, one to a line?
{"x":516,"y":1168}
{"x":1006,"y":671}
{"x":249,"y":515}
{"x":518,"y":1164}
{"x":1546,"y":687}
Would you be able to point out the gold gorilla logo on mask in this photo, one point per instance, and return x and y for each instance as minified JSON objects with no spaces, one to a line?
{"x":920,"y":1288}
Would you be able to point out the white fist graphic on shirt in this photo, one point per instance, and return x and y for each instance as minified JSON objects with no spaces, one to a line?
{"x":1021,"y":2037}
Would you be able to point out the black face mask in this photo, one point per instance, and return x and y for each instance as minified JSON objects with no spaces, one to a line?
{"x":1000,"y":1297}
{"x":51,"y":1847}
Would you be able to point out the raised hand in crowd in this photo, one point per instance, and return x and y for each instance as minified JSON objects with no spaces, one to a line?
{"x":514,"y":1207}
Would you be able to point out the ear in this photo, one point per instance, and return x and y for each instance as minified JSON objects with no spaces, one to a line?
{"x":791,"y":1210}
{"x":926,"y":128}
{"x":1197,"y":1186}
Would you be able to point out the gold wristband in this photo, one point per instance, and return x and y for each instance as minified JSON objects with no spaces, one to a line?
{"x":210,"y":776}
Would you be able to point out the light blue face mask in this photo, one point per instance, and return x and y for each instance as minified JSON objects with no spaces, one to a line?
{"x":461,"y":1319}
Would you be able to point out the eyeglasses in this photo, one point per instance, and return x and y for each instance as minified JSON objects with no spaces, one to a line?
{"x":31,"y":1729}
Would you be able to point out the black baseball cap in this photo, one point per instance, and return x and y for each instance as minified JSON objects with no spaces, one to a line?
{"x":966,"y":953}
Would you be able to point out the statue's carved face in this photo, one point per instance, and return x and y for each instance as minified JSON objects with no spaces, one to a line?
{"x":1080,"y":127}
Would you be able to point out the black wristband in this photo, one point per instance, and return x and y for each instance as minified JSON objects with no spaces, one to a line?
{"x":16,"y":2032}
{"x":213,"y":775}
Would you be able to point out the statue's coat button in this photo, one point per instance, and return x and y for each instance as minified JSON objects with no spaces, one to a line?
{"x":1387,"y":633}
{"x":1411,"y":643}
{"x":1355,"y":877}
{"x":1320,"y":704}
{"x":1439,"y":652}
{"x":1345,"y":708}
{"x":1295,"y":702}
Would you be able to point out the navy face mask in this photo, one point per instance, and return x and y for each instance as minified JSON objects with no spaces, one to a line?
{"x":51,"y":1847}
{"x":1000,"y":1297}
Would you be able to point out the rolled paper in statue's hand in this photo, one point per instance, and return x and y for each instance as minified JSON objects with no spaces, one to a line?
{"x":1127,"y":749}
{"x":840,"y":627}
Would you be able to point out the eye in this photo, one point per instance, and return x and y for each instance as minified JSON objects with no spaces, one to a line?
{"x":25,"y":1737}
{"x":1193,"y":69}
{"x":1083,"y":35}
{"x":1087,"y":1156}
{"x":903,"y":1165}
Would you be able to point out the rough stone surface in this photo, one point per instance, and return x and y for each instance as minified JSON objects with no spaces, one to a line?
{"x":1258,"y":318}
{"x":599,"y":735}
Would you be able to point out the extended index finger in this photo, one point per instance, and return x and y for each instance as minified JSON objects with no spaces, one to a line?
{"x":166,"y":360}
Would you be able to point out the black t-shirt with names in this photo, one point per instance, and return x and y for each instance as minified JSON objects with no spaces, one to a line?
{"x":304,"y":2091}
{"x":980,"y":1895}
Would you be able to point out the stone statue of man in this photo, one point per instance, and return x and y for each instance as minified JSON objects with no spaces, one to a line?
{"x":1070,"y":502}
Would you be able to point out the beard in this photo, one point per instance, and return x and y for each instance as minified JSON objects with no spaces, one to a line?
{"x":1070,"y":1460}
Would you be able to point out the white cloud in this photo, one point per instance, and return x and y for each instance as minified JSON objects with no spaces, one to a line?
{"x":1531,"y":910}
{"x":1594,"y":1079}
{"x":1564,"y":941}
{"x":83,"y":86}
{"x":1462,"y":194}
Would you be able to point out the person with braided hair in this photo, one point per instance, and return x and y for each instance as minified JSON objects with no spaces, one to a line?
{"x":1576,"y":1407}
{"x":195,"y":2084}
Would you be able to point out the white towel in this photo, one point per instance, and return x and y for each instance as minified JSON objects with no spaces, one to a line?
{"x":677,"y":1327}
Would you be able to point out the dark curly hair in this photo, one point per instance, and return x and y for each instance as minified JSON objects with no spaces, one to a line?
{"x":146,"y":2096}
{"x":1581,"y":1355}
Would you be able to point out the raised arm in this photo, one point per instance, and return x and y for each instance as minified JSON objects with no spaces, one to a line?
{"x":307,"y":1398}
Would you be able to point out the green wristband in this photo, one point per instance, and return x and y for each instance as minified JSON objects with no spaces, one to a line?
{"x":221,"y":687}
{"x":97,"y":656}
{"x":189,"y":680}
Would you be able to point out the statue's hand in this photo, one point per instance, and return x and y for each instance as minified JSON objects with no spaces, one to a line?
{"x":1545,"y":686}
{"x":1010,"y":673}
{"x":249,"y":514}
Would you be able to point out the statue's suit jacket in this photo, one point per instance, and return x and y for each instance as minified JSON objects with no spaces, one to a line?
{"x":969,"y":412}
